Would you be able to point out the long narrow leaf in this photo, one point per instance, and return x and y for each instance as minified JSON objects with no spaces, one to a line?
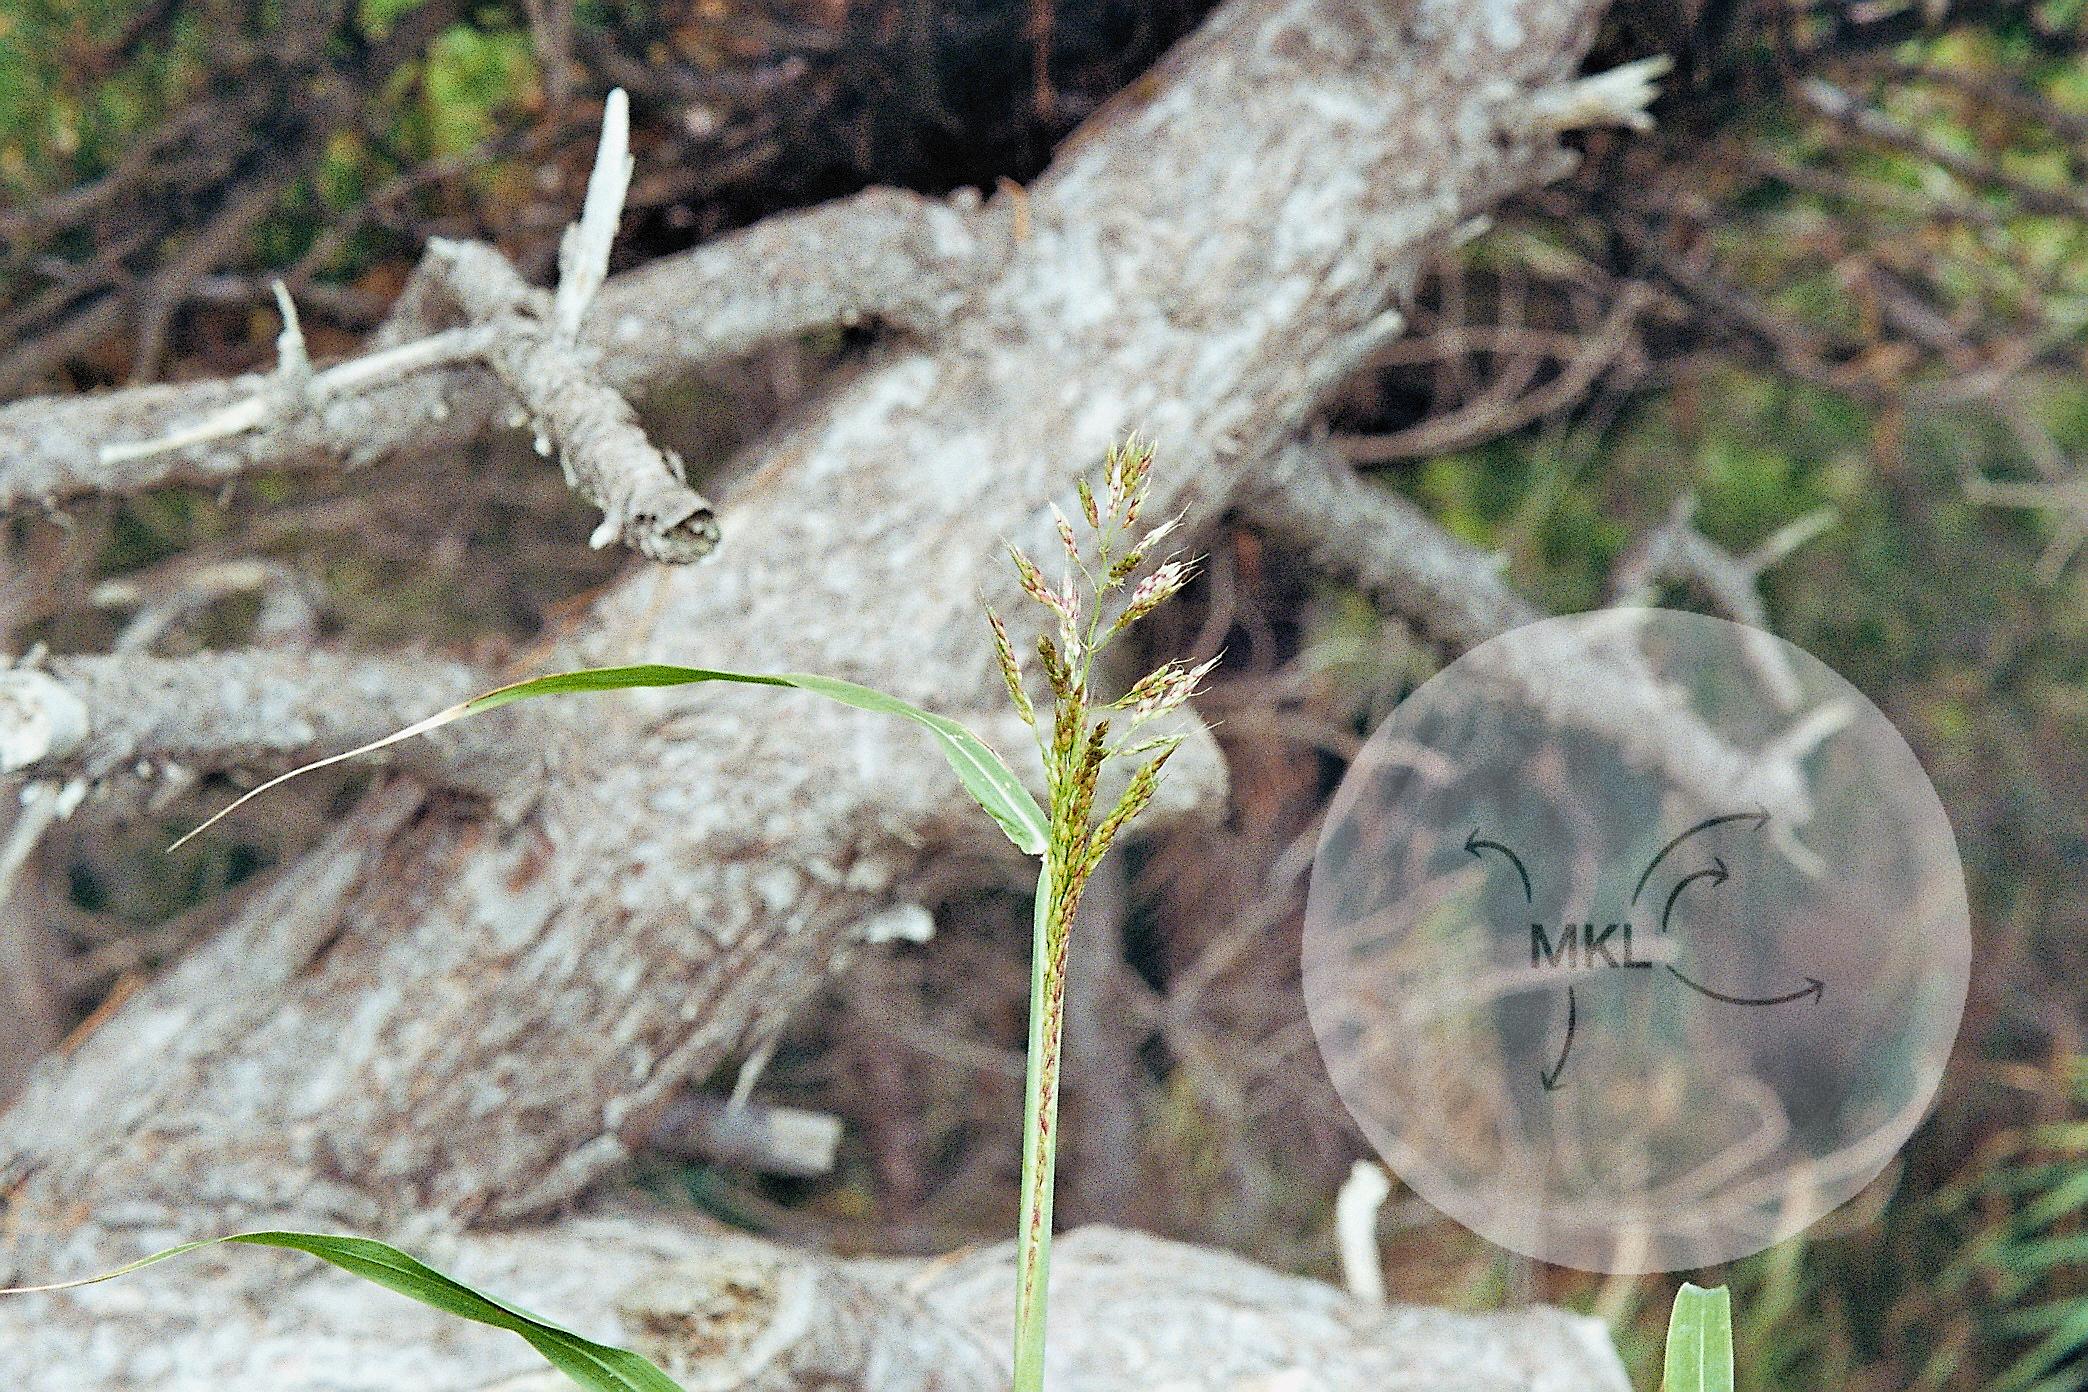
{"x":1700,"y":1342}
{"x":594,"y":1366}
{"x":990,"y":782}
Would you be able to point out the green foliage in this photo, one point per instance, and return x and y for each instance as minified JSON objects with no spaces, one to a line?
{"x":55,"y":130}
{"x":82,"y":84}
{"x":476,"y":78}
{"x":596,"y":1367}
{"x":1700,"y":1342}
{"x":2031,"y":1257}
{"x":378,"y":16}
{"x":978,"y":768}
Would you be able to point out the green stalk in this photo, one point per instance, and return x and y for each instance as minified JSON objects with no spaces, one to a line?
{"x":1039,"y":1144}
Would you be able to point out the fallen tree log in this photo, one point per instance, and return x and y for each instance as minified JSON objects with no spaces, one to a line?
{"x":721,"y":1312}
{"x":442,"y":1022}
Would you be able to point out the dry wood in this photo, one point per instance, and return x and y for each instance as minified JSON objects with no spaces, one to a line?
{"x":726,"y":1313}
{"x":1455,"y":592}
{"x":95,"y":717}
{"x":729,"y":1131}
{"x":881,"y":255}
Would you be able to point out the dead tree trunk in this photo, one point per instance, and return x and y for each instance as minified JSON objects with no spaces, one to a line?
{"x":446,"y":1022}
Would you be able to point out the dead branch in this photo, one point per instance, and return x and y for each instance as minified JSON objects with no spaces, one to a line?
{"x":179,"y":204}
{"x":2001,"y":91}
{"x":29,"y":978}
{"x":1796,"y":348}
{"x":1870,"y":124}
{"x":729,"y":1131}
{"x":644,"y":496}
{"x":98,"y":717}
{"x":1505,"y":408}
{"x":1385,"y":546}
{"x":1676,"y":551}
{"x":881,"y":256}
{"x":747,"y":1314}
{"x":1455,"y":592}
{"x":535,"y":349}
{"x":1768,"y":162}
{"x":2065,"y":498}
{"x":164,"y":595}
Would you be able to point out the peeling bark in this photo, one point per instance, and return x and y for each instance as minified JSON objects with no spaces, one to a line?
{"x":643,"y":493}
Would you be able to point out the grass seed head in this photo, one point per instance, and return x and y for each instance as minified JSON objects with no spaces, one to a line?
{"x":1136,"y":795}
{"x":1149,"y":594}
{"x":1076,"y":747}
{"x":1164,"y":689}
{"x":1076,"y":751}
{"x":1126,"y":471}
{"x":1032,"y":578}
{"x":1011,"y":668}
{"x":1157,"y":535}
{"x":1056,"y":674}
{"x":1066,"y":538}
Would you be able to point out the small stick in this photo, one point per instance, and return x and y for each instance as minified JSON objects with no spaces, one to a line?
{"x":583,"y":255}
{"x":1356,"y":1207}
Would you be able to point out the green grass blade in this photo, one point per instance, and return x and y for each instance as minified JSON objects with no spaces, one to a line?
{"x":2067,"y":1321}
{"x":1700,"y":1342}
{"x":990,"y":782}
{"x":594,"y":1366}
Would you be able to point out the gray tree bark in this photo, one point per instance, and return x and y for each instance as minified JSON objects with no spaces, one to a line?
{"x":721,"y":1312}
{"x":442,"y":1026}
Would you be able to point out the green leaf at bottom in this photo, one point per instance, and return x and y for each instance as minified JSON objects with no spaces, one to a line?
{"x":597,"y":1367}
{"x":1700,"y":1342}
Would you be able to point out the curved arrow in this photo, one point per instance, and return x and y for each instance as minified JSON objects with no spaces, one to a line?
{"x":1475,"y":845}
{"x":1551,"y":1078}
{"x":1813,"y":987}
{"x":1758,"y":818}
{"x":1717,"y":875}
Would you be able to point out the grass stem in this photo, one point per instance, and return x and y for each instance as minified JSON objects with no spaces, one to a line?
{"x":1039,"y":1123}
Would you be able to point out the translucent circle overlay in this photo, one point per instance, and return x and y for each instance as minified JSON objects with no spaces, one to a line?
{"x":1637,"y":940}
